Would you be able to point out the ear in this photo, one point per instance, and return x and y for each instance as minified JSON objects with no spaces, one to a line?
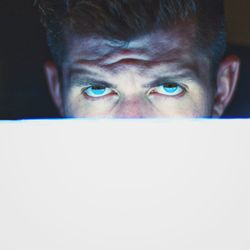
{"x":54,"y":85}
{"x":227,"y":78}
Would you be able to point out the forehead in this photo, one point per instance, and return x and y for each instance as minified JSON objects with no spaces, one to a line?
{"x":176,"y":43}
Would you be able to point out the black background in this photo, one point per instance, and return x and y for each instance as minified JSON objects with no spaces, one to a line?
{"x":23,"y":50}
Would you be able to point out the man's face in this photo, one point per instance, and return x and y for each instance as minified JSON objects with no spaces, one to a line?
{"x":155,"y":76}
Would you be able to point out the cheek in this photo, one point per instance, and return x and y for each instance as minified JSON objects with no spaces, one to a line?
{"x":180,"y":108}
{"x":196,"y":103}
{"x":72,"y":102}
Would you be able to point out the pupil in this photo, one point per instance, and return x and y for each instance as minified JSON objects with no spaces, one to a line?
{"x":169,"y":86}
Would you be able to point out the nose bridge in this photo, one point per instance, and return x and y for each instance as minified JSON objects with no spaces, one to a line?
{"x":134,"y":107}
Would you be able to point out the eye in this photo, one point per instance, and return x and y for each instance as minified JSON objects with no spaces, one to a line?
{"x":169,"y":89}
{"x":97,"y":91}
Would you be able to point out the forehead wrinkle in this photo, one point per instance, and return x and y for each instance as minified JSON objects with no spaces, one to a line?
{"x":152,"y":44}
{"x":173,"y":71}
{"x":143,"y":55}
{"x":86,"y":68}
{"x":126,"y":57}
{"x":173,"y":63}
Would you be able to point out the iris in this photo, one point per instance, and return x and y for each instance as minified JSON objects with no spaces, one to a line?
{"x":170,"y":89}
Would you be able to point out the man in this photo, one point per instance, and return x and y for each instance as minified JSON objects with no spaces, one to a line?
{"x":138,"y":58}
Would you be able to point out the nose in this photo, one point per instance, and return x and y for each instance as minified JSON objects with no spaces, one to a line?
{"x":133,"y":109}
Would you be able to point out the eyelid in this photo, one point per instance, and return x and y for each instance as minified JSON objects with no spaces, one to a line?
{"x":169,"y":82}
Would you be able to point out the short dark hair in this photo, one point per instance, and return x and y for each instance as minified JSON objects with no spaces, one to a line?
{"x":124,"y":20}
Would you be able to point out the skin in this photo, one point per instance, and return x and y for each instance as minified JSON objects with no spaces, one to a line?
{"x":158,"y":75}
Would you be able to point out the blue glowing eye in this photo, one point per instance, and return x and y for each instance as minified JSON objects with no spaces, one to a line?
{"x":97,"y":91}
{"x":170,"y":89}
